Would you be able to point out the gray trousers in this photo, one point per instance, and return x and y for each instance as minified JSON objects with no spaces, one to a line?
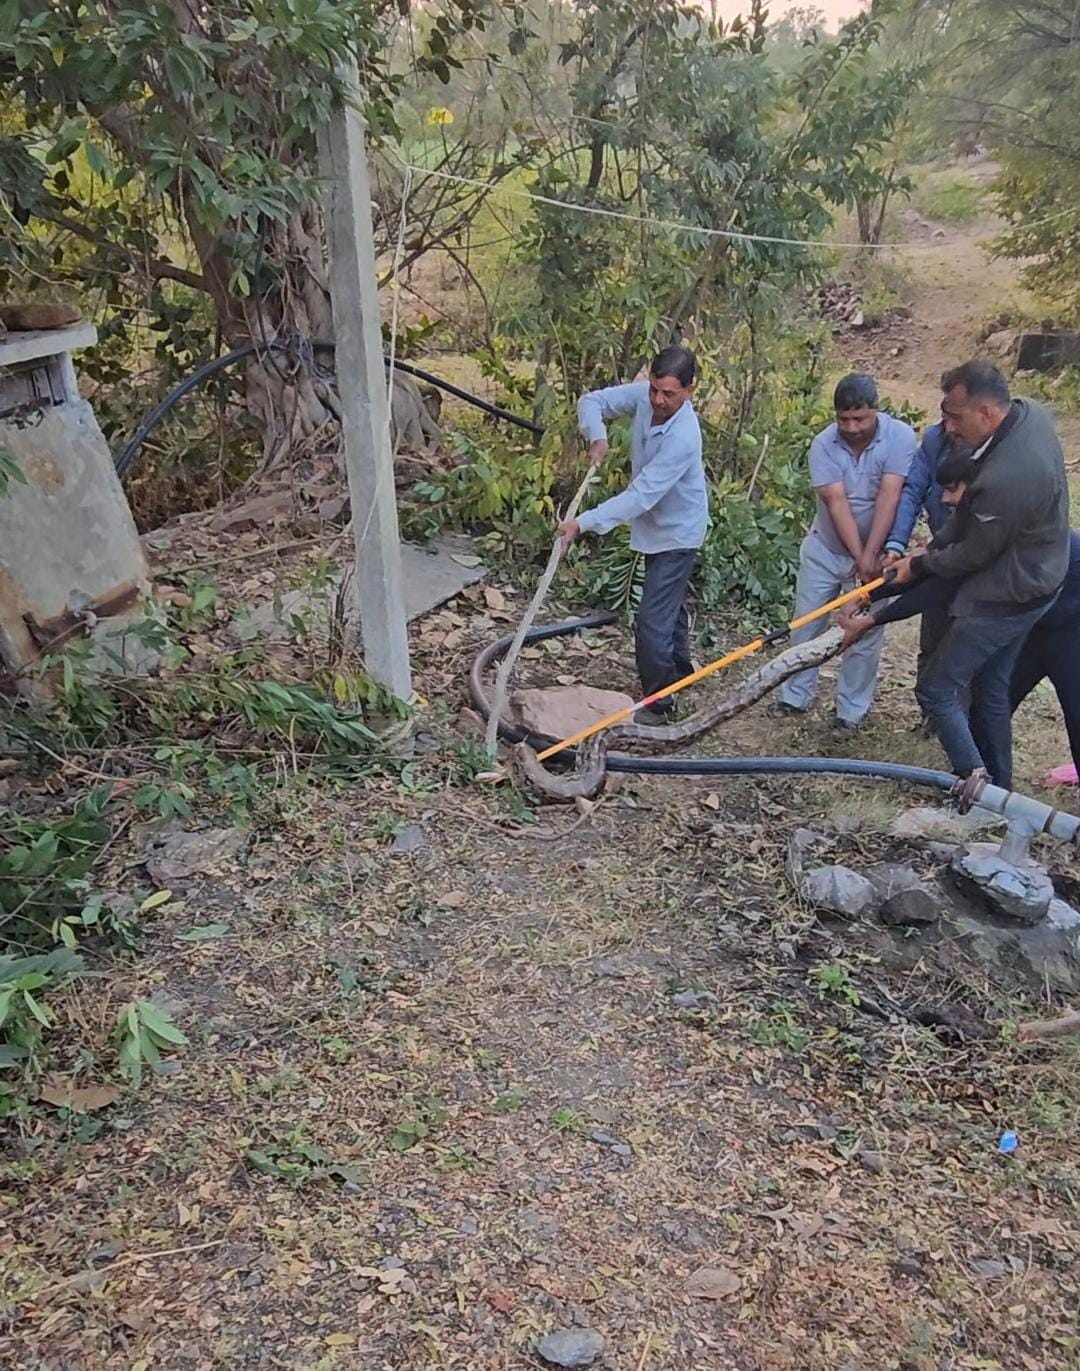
{"x":822,"y":577}
{"x":662,"y":625}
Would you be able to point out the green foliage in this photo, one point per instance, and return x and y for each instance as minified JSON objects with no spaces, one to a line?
{"x":500,"y":484}
{"x":831,"y":978}
{"x":45,"y":865}
{"x":1010,"y":79}
{"x":23,"y":1016}
{"x":953,"y":199}
{"x":568,"y":1120}
{"x":10,"y":471}
{"x":290,"y":1157}
{"x":161,"y":160}
{"x":144,"y":1031}
{"x":223,"y":694}
{"x":415,"y":1126}
{"x":1062,"y":391}
{"x":780,"y":1029}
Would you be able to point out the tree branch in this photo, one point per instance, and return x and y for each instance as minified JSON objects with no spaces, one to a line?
{"x":159,"y":269}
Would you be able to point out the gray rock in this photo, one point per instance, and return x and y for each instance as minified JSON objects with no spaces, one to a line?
{"x":571,"y":1346}
{"x":916,"y":905}
{"x":840,"y":890}
{"x":623,"y":1150}
{"x":989,"y":1270}
{"x":469,"y":1227}
{"x":1062,"y":916}
{"x":176,"y":856}
{"x":1018,"y":891}
{"x":693,"y":999}
{"x":907,"y":1266}
{"x":801,"y":843}
{"x":888,"y":878}
{"x":410,"y":839}
{"x":872,"y":1162}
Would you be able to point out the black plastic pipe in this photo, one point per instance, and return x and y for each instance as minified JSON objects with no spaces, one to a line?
{"x":127,"y":453}
{"x":689,"y":766}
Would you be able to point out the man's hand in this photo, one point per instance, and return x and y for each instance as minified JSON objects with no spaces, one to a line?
{"x":854,"y":623}
{"x":903,"y":570}
{"x":598,"y":450}
{"x":889,"y":559}
{"x":568,"y":530}
{"x":866,"y":568}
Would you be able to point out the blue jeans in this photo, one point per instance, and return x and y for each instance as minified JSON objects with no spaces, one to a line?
{"x":977,"y":655}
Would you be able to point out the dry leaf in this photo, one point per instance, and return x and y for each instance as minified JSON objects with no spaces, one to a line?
{"x":65,"y":1094}
{"x":808,"y":1227}
{"x":711,"y":801}
{"x":339,"y":1340}
{"x":454,"y":899}
{"x":712,"y":1283}
{"x":494,"y":599}
{"x":501,"y":1301}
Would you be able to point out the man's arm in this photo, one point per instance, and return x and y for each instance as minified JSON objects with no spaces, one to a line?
{"x":888,"y":497}
{"x":647,"y":488}
{"x":912,"y":498}
{"x":834,"y":497}
{"x":608,"y":403}
{"x":993,"y":521}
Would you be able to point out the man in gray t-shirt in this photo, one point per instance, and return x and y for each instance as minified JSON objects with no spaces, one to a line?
{"x":857,"y":468}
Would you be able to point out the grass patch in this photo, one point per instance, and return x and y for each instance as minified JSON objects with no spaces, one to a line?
{"x":950,"y":199}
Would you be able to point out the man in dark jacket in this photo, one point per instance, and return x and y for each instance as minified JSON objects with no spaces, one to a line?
{"x":1008,"y":547}
{"x":1052,"y":648}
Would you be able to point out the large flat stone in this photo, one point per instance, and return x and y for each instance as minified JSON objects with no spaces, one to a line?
{"x":1018,"y":891}
{"x":430,"y":576}
{"x":558,"y":711}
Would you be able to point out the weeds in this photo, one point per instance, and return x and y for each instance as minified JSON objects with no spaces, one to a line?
{"x":290,"y":1157}
{"x":952,"y":199}
{"x":144,"y":1031}
{"x":44,"y":872}
{"x":414,"y":1127}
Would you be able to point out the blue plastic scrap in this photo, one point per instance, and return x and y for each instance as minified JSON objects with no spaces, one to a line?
{"x":1010,"y":1141}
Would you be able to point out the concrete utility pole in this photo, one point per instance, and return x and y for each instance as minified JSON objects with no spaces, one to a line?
{"x":362,"y":388}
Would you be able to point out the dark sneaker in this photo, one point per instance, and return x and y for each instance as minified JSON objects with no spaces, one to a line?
{"x":847,"y":726}
{"x":654,"y":718}
{"x":780,"y":709}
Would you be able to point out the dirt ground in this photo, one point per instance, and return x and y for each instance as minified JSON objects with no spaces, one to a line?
{"x":461,"y":1072}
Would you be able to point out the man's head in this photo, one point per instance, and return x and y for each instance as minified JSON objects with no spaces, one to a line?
{"x":671,"y":381}
{"x":855,"y":400}
{"x":955,"y":473}
{"x":975,"y":399}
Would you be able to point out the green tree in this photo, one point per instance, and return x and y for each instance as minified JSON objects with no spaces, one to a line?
{"x":163,"y":154}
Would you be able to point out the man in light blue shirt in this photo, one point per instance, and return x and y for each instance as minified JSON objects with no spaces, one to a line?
{"x":666,"y":505}
{"x":857,"y":468}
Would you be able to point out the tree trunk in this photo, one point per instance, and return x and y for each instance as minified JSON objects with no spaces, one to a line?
{"x":291,"y":395}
